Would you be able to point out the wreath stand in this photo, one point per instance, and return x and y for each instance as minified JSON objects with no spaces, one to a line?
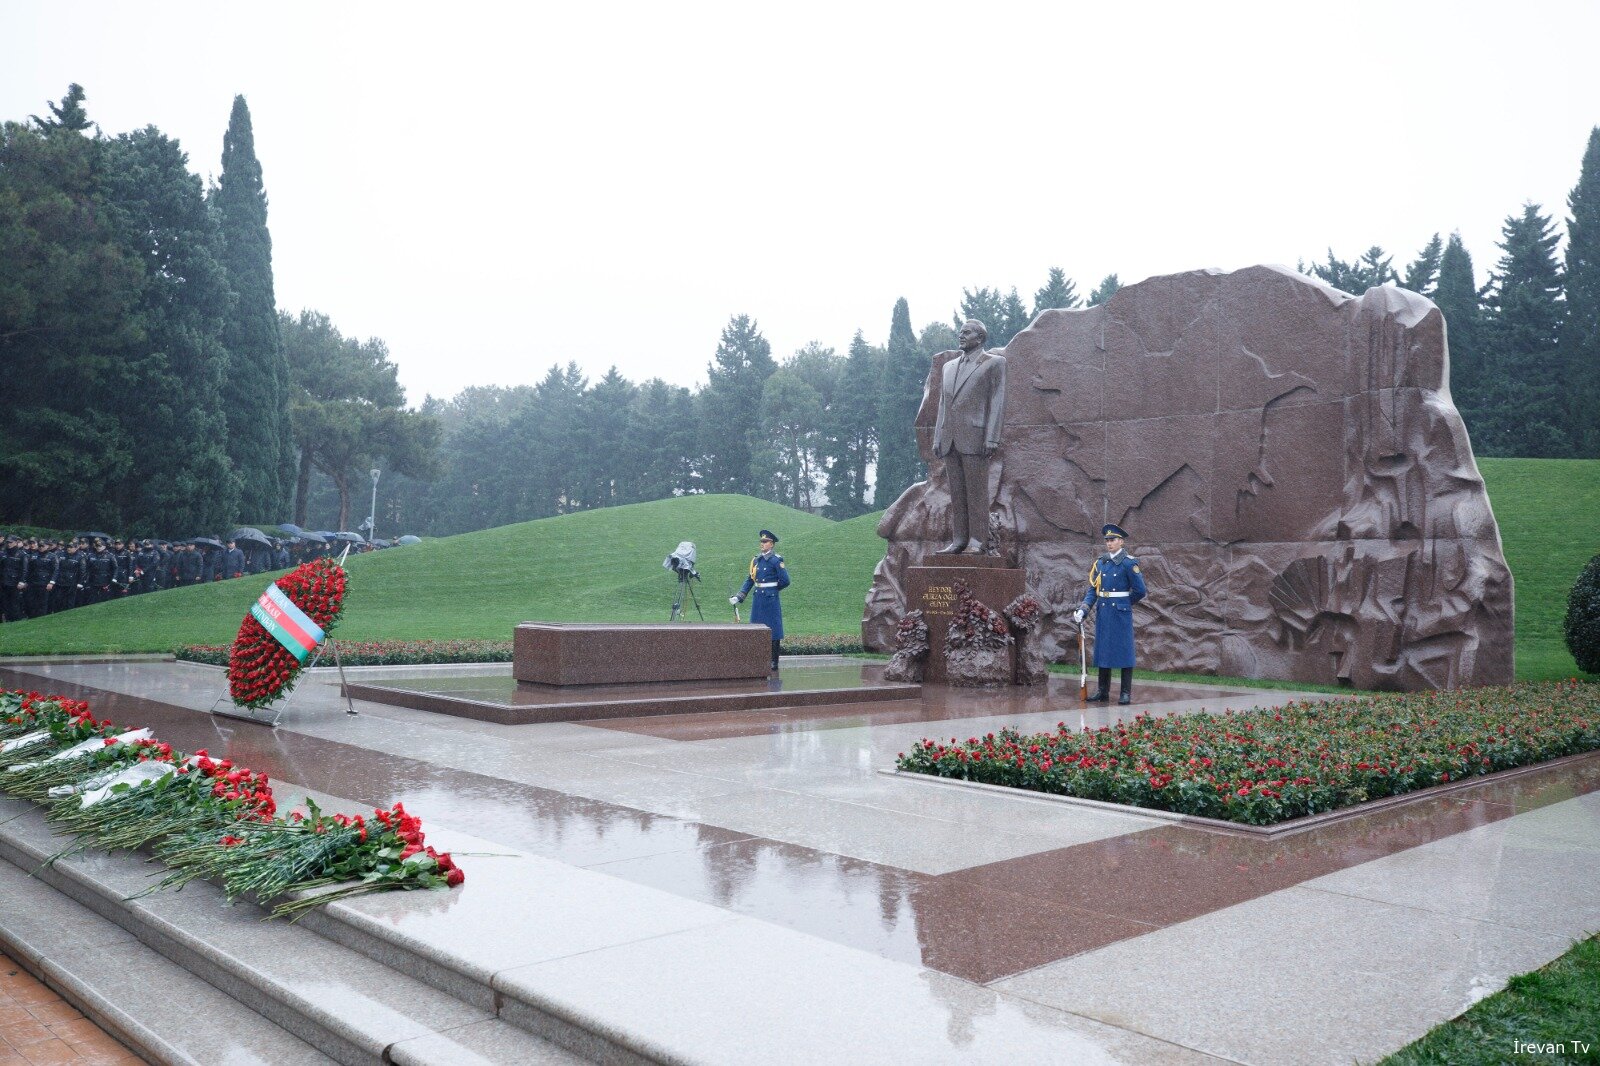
{"x":249,"y":715}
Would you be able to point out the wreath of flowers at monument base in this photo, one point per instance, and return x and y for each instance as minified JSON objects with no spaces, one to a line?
{"x":260,"y":669}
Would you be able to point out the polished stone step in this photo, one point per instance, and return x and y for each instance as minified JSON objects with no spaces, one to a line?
{"x":345,"y":1005}
{"x":158,"y":1009}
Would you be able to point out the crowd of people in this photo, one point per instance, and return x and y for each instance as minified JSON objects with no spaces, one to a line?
{"x":40,"y":576}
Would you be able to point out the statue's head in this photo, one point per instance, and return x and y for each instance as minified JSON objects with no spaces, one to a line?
{"x":973,"y":335}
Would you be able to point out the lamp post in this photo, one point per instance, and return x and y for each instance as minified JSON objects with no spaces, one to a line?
{"x":372,"y":515}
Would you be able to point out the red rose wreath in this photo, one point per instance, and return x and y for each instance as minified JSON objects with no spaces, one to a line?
{"x":260,"y":670}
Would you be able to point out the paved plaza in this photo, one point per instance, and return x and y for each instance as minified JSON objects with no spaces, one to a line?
{"x":751,"y":887}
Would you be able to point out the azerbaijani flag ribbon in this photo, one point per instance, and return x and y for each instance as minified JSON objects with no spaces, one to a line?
{"x":292,"y":627}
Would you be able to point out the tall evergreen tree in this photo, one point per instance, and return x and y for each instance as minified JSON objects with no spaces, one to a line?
{"x":662,"y":429}
{"x":1524,"y":401}
{"x":1423,"y":273}
{"x":1580,"y":335}
{"x":1003,"y":316}
{"x":852,"y":435}
{"x":1105,"y":290}
{"x":1457,"y":297}
{"x":731,"y":407}
{"x":899,"y":393}
{"x":167,"y":388}
{"x":255,"y":390}
{"x":789,"y":443}
{"x":69,"y":115}
{"x":1059,"y":291}
{"x":70,"y":293}
{"x":611,"y":464}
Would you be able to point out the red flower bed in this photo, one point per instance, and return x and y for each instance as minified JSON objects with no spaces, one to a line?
{"x":260,"y":670}
{"x":1262,"y":767}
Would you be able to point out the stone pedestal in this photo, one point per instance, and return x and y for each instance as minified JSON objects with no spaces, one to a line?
{"x":578,"y":653}
{"x":931,"y":587}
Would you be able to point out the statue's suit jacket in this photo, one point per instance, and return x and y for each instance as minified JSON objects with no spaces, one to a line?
{"x":972,"y":406}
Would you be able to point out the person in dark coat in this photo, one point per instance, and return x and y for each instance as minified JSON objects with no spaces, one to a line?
{"x":100,"y":574}
{"x":42,"y":569}
{"x":13,"y":580}
{"x":1115,"y":585}
{"x":190,"y":565}
{"x":233,"y":561}
{"x":69,"y":579}
{"x":280,"y":556}
{"x":768,"y":577}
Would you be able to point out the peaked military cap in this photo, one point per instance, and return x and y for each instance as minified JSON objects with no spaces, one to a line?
{"x":767,"y":534}
{"x":1111,"y":529}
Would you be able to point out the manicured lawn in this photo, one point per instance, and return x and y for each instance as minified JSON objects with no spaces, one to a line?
{"x":1549,"y":516}
{"x":605,"y":565}
{"x":1558,"y":1005}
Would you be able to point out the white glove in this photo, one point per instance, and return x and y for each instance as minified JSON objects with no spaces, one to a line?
{"x":1077,"y":616}
{"x":734,"y":600}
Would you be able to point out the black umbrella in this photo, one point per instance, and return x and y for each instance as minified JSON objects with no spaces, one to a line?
{"x":207,"y":541}
{"x":348,"y":538}
{"x":409,"y":539}
{"x":290,"y":527}
{"x":313,"y":538}
{"x":250,"y":533}
{"x":94,"y":536}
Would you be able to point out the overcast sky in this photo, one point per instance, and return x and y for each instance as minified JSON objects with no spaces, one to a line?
{"x":492,"y":188}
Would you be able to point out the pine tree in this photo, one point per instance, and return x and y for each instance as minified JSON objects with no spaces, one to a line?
{"x":731,"y":408}
{"x":167,"y":387}
{"x":852,"y":435}
{"x":1058,"y":292}
{"x":903,"y":375}
{"x":1423,"y":273}
{"x":69,"y":114}
{"x":255,"y":390}
{"x":1524,"y":396}
{"x":1580,"y":336}
{"x":70,"y":305}
{"x":1105,"y":290}
{"x":1457,"y":297}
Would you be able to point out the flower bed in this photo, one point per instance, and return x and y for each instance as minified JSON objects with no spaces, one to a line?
{"x":117,"y":788}
{"x":1262,"y":767}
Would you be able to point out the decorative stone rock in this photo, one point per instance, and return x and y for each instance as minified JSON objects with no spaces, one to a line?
{"x":975,"y":667}
{"x":1296,"y":481}
{"x":910,"y":659}
{"x":932,"y":590}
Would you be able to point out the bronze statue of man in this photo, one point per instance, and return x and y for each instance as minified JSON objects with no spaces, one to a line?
{"x":972,"y":406}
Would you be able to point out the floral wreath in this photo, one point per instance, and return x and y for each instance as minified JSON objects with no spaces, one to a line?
{"x":261,"y":670}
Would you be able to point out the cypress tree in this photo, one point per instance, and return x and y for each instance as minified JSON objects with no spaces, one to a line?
{"x":255,"y":389}
{"x":1580,"y":337}
{"x":905,"y":371}
{"x":852,"y":433}
{"x":1457,"y":297}
{"x":1524,"y":399}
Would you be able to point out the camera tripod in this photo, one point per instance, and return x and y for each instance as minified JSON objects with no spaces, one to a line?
{"x":677,"y":604}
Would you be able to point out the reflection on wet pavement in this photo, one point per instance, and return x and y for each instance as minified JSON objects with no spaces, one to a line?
{"x":979,"y":922}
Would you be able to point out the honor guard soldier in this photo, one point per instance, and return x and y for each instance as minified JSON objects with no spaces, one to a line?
{"x":1115,"y":585}
{"x":768,"y":577}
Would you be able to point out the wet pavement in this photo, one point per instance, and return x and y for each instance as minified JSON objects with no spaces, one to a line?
{"x":780,"y":816}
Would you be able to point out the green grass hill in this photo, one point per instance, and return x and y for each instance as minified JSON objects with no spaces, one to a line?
{"x":605,"y":565}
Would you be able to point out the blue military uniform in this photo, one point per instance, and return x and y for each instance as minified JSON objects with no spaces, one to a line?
{"x":1115,"y":585}
{"x":768,"y":577}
